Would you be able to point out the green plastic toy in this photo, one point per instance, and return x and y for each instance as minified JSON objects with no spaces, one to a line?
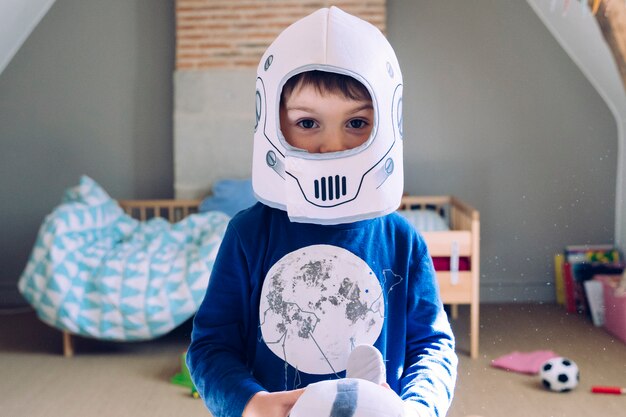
{"x":184,"y":378}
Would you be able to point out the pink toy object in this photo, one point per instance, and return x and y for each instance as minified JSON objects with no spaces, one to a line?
{"x":614,"y":293}
{"x":524,"y":362}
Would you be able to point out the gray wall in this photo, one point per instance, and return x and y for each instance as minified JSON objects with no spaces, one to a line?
{"x":214,"y":113}
{"x":90,"y":92}
{"x":495,"y":112}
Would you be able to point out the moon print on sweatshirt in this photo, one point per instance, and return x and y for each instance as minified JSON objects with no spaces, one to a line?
{"x":317,"y":304}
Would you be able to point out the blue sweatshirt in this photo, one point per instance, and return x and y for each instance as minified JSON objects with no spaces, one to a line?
{"x":287,"y":302}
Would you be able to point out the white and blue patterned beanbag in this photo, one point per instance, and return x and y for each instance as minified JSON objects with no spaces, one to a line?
{"x":97,"y":272}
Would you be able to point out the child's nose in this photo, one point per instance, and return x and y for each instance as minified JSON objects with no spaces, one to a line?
{"x":333,"y":142}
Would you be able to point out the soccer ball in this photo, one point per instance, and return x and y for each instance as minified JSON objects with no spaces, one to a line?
{"x":559,"y":374}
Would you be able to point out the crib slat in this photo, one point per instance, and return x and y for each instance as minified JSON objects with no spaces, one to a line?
{"x":171,"y":210}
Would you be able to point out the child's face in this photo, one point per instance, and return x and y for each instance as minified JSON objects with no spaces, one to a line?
{"x":325,"y":122}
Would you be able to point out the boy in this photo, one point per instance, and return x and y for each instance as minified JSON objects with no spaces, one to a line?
{"x":322,"y":264}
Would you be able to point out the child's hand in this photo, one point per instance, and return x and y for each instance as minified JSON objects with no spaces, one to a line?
{"x":410,"y":409}
{"x":271,"y":404}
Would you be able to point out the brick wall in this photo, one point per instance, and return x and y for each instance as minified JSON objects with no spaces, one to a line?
{"x":235,"y":33}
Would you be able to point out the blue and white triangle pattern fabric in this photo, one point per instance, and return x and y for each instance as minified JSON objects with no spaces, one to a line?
{"x":97,"y":272}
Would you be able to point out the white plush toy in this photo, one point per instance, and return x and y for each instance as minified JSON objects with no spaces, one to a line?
{"x":349,"y":397}
{"x":358,"y":395}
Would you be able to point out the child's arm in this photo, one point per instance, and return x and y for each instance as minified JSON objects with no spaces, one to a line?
{"x":429,"y":377}
{"x":217,"y":356}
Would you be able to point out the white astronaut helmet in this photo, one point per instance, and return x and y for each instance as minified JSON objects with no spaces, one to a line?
{"x":335,"y":187}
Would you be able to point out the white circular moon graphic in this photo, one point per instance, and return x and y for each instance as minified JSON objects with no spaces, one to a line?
{"x":317,"y":304}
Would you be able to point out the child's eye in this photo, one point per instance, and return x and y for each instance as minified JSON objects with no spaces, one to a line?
{"x":357,"y":123}
{"x":307,"y":124}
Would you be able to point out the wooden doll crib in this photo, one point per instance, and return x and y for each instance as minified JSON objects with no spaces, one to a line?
{"x":459,"y":243}
{"x":459,"y":246}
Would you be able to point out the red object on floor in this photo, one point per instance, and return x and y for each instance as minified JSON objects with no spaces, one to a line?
{"x":608,"y":390}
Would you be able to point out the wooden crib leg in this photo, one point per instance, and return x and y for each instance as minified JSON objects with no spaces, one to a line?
{"x":474,"y":329}
{"x":454,"y":311}
{"x":68,"y":344}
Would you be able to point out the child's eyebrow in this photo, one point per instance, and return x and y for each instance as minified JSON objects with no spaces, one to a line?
{"x":300,"y":108}
{"x":366,"y":106}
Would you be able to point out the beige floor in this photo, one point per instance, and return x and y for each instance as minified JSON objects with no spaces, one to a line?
{"x":107,"y":379}
{"x":492,"y":392}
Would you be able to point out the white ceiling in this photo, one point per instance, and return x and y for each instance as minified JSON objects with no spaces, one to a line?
{"x":17,"y":20}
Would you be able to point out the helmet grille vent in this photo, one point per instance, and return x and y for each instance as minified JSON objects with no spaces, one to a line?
{"x":330,"y":188}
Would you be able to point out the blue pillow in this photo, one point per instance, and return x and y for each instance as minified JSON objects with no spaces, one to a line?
{"x":229,"y":196}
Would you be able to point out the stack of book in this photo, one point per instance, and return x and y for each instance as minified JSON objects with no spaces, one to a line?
{"x":578,"y":264}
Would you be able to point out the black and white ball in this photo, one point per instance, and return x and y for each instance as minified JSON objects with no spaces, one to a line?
{"x":559,"y":374}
